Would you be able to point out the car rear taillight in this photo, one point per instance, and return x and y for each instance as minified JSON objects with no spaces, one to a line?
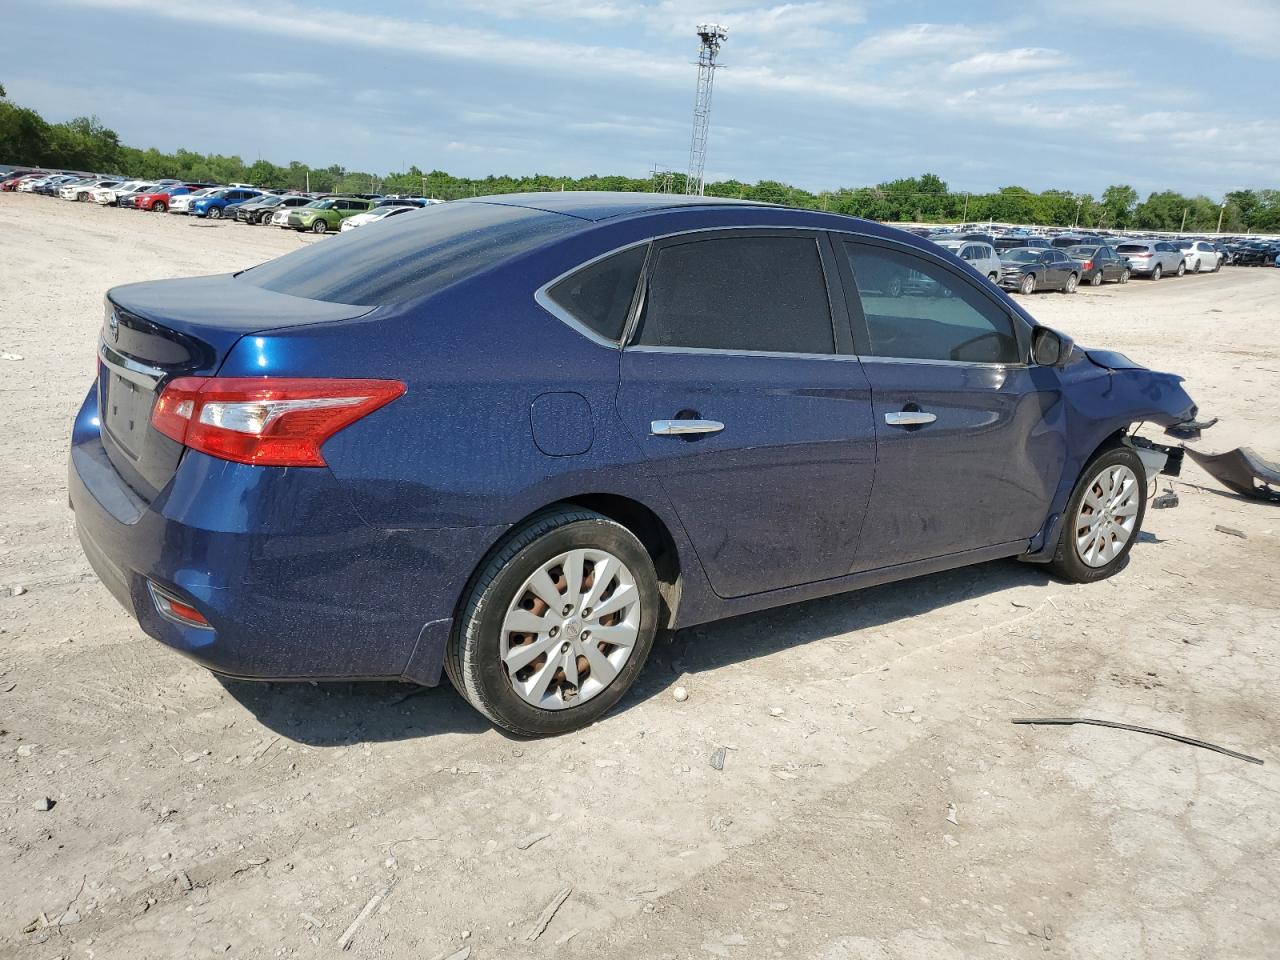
{"x":266,"y":421}
{"x":1088,"y":265}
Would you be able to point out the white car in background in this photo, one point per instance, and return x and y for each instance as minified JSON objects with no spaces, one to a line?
{"x":373,"y":216}
{"x":182,"y":202}
{"x":979,"y":255}
{"x":81,"y":191}
{"x":1200,"y":255}
{"x":109,"y":194}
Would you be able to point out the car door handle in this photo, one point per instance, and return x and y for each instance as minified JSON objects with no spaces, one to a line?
{"x":909,"y":418}
{"x":676,"y":428}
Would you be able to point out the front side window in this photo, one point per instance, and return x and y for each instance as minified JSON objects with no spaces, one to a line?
{"x":915,"y":309}
{"x":739,"y":293}
{"x":599,"y":295}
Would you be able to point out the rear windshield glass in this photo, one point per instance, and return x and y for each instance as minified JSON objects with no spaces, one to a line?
{"x":1023,"y":255}
{"x":1132,"y":248}
{"x":412,"y":256}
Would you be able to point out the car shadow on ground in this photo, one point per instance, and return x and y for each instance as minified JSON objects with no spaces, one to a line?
{"x":340,"y":714}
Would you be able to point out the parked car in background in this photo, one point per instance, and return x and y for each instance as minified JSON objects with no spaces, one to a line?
{"x":49,"y":186}
{"x":1099,"y":264}
{"x":1018,"y":241}
{"x":83,"y":189}
{"x":128,"y":199}
{"x":260,"y":209}
{"x":1200,"y":255}
{"x":978,"y":254}
{"x":159,"y":200}
{"x":182,"y":202}
{"x":1256,"y":253}
{"x":12,"y":182}
{"x":1152,"y":258}
{"x":215,"y":204}
{"x":320,"y":216}
{"x":382,"y":211}
{"x":1028,"y":269}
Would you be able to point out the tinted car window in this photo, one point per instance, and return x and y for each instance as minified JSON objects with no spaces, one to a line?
{"x":414,"y":256}
{"x":599,"y":295}
{"x":739,"y":293}
{"x":1132,"y":248}
{"x":917,"y":310}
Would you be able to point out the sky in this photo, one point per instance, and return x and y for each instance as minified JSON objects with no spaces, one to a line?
{"x":816,"y":93}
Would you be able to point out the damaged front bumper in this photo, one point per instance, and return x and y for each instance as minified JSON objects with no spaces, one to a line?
{"x":1243,"y":471}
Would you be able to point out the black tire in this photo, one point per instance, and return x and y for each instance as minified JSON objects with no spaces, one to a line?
{"x":319,"y":226}
{"x":1158,"y":272}
{"x":1124,"y":277}
{"x":1073,"y":281}
{"x":1028,"y":284}
{"x":1182,"y":268}
{"x":214,"y":213}
{"x":1067,"y":562}
{"x":993,"y":277}
{"x":1097,"y":279}
{"x":160,"y":206}
{"x":473,"y":661}
{"x":1197,"y":267}
{"x":1217,"y":265}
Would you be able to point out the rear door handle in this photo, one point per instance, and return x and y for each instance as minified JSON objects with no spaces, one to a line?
{"x":909,"y":418}
{"x":676,"y":428}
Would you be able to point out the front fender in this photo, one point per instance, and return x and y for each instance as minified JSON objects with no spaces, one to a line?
{"x":1100,"y":401}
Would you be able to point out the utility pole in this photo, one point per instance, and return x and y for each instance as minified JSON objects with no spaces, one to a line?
{"x":712,"y":36}
{"x":1221,"y":210}
{"x":308,"y":180}
{"x":964,"y":217}
{"x":1184,"y":221}
{"x":1079,"y":203}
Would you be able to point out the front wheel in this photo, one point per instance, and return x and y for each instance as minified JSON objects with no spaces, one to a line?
{"x":319,"y":226}
{"x":1073,"y":281}
{"x":556,"y":625}
{"x":1028,"y":285}
{"x":1103,"y":517}
{"x":160,"y":206}
{"x":993,"y":277}
{"x":215,"y":213}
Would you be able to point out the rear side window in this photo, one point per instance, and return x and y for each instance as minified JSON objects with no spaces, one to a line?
{"x":411,"y":256}
{"x":599,"y":295}
{"x":739,"y":293}
{"x":915,"y":309}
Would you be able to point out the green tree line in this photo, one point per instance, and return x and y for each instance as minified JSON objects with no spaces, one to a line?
{"x":85,"y":143}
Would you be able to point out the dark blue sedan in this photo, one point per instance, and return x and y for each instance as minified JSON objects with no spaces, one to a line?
{"x":510,"y":438}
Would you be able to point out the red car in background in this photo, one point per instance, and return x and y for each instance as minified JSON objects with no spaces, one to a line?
{"x":11,"y":182}
{"x":160,"y":201}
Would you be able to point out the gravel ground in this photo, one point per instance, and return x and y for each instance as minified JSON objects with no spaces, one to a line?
{"x":875,"y":802}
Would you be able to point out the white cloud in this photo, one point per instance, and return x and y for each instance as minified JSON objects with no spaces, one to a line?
{"x":1250,"y":26}
{"x":922,"y":40}
{"x":1021,"y":60}
{"x":282,"y":81}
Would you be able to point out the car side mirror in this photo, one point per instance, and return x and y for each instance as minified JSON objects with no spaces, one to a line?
{"x":1049,"y":348}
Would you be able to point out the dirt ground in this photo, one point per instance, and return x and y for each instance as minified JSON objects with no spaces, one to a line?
{"x":888,"y":811}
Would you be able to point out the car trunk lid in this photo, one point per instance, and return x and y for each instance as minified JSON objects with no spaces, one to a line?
{"x":153,"y":332}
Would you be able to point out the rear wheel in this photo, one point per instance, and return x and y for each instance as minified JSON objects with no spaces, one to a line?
{"x":1124,"y":277}
{"x":1097,"y":279}
{"x":1182,"y":268}
{"x":993,"y":277}
{"x":1028,"y":285}
{"x":1217,"y":265}
{"x":556,"y":625}
{"x":319,"y":226}
{"x":1073,"y":281}
{"x":1158,"y":272}
{"x":1103,"y":517}
{"x":1196,"y":268}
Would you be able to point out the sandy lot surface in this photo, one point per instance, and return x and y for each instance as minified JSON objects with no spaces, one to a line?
{"x":888,"y":812}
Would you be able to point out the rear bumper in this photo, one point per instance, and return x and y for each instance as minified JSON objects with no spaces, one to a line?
{"x":293,"y":584}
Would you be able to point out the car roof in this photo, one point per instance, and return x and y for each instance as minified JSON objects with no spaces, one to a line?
{"x":604,"y":205}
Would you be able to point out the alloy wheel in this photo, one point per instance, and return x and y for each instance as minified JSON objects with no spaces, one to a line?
{"x":1108,"y":514}
{"x":571,"y":629}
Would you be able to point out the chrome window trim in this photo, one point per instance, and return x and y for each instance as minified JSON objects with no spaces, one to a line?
{"x":543,"y":299}
{"x":131,"y":370}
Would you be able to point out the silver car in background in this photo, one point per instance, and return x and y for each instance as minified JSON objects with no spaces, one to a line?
{"x":1152,"y":258}
{"x":981,"y":256}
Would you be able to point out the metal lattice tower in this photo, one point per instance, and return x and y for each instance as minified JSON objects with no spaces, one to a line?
{"x":712,"y":36}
